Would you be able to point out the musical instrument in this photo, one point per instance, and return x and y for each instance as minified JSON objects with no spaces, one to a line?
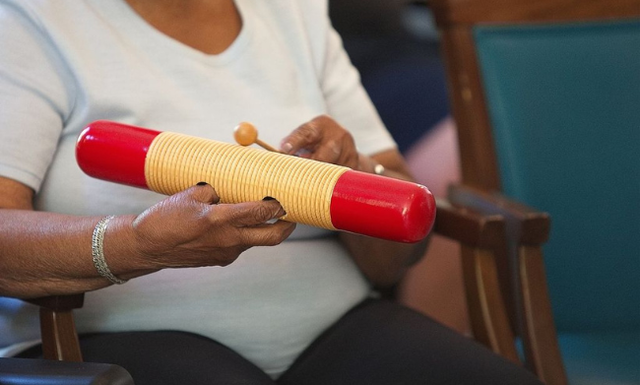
{"x":311,"y":192}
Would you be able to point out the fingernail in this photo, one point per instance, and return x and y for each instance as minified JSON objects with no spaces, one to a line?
{"x":268,"y":198}
{"x":202,"y":184}
{"x":286,"y":147}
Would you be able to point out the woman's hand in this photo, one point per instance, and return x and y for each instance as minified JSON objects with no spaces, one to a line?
{"x":325,"y":140}
{"x":45,"y":254}
{"x":191,"y":229}
{"x":382,"y":262}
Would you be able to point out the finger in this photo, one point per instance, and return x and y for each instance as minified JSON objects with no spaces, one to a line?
{"x":307,"y":136}
{"x":329,"y":152}
{"x":268,"y":234}
{"x":205,"y":193}
{"x":248,"y":214}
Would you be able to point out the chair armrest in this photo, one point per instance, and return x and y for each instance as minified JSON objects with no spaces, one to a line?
{"x":525,"y":225}
{"x":527,"y":230}
{"x":46,"y":372}
{"x":468,"y":226}
{"x":480,"y":235}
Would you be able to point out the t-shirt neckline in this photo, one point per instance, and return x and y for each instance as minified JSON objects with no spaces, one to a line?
{"x":150,"y":33}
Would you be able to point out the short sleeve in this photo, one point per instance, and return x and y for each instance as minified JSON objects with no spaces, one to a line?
{"x":34,"y":96}
{"x":347,"y":100}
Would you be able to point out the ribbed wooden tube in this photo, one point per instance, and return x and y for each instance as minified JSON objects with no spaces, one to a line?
{"x":303,"y":187}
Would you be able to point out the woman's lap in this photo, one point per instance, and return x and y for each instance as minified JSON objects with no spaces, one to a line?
{"x":381,"y":342}
{"x":378,"y":342}
{"x":170,"y":358}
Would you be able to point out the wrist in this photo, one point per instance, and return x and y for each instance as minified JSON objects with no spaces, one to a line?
{"x":370,"y":165}
{"x":122,"y":250}
{"x":97,"y":251}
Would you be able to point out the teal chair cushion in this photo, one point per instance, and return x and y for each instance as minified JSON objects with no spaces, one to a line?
{"x":565,"y":108}
{"x":564,"y":103}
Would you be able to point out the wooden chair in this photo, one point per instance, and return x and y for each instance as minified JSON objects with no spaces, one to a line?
{"x":61,"y":350}
{"x":479,"y":235}
{"x":546,"y":97}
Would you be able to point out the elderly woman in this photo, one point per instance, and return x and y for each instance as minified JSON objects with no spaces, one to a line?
{"x":300,"y":312}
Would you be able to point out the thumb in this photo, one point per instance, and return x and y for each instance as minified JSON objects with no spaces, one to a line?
{"x":249,"y":214}
{"x":203,"y":192}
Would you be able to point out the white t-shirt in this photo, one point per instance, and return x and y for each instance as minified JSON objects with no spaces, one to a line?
{"x":66,"y":63}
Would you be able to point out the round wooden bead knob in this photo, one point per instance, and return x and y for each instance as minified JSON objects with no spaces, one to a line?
{"x":245,"y":134}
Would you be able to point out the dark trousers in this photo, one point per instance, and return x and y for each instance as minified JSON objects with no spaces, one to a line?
{"x":378,"y":342}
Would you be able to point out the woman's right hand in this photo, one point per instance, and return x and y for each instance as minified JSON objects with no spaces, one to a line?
{"x":190,"y":229}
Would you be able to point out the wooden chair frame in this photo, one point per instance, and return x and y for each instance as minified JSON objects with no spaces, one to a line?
{"x":521,"y":267}
{"x":455,"y":20}
{"x":57,"y":327}
{"x":530,"y":312}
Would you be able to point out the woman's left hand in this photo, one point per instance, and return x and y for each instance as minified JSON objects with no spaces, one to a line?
{"x":382,"y":262}
{"x":325,"y":140}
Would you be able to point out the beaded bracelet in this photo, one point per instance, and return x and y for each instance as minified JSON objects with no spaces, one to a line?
{"x":97,"y":251}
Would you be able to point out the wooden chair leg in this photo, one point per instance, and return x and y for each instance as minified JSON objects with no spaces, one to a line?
{"x":57,"y":328}
{"x":489,"y":320}
{"x":59,"y":336}
{"x":540,"y":339}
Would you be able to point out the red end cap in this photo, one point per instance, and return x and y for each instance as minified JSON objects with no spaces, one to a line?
{"x":382,"y":207}
{"x":115,"y":152}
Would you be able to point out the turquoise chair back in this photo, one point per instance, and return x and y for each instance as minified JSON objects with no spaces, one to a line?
{"x":564,"y":105}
